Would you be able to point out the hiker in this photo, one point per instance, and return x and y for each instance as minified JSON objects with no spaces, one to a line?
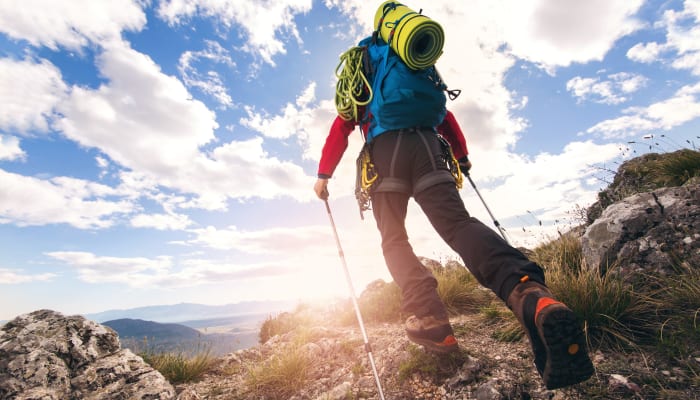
{"x":409,"y":160}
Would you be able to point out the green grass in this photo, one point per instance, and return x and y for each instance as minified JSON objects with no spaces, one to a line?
{"x":459,"y":290}
{"x":615,"y":314}
{"x":179,"y":367}
{"x":380,"y":302}
{"x":281,"y":376}
{"x":680,"y":331}
{"x":429,"y":365}
{"x":676,"y":168}
{"x":284,"y":323}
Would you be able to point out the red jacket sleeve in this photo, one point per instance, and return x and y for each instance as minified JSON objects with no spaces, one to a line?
{"x":333,"y":149}
{"x":450,"y":129}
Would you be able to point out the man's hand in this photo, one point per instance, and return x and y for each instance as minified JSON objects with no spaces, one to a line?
{"x":465,"y":165}
{"x":321,"y":188}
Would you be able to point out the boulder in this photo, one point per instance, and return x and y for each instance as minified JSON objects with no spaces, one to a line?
{"x":45,"y":355}
{"x":648,"y":232}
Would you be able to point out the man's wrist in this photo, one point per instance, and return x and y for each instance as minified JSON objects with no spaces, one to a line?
{"x":324,"y":176}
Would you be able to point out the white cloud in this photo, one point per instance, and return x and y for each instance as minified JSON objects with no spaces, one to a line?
{"x":161,"y":222}
{"x":161,"y":271}
{"x":609,"y":91}
{"x":682,"y":44}
{"x":72,"y":24}
{"x":267,"y":241}
{"x":141,"y":118}
{"x":209,"y":82}
{"x":29,"y":92}
{"x":15,"y":277}
{"x":645,"y":52}
{"x":27,"y":201}
{"x":134,"y":271}
{"x":684,"y":106}
{"x":147,"y":122}
{"x":262,"y":22}
{"x":293,"y":121}
{"x":10,"y":149}
{"x":556,"y":34}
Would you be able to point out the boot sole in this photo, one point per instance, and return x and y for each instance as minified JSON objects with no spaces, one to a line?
{"x":435,"y":347}
{"x":562,"y":336}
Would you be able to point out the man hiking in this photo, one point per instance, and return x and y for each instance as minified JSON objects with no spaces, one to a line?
{"x":403,"y":137}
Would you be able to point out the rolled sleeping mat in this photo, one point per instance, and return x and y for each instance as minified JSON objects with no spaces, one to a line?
{"x":417,"y":39}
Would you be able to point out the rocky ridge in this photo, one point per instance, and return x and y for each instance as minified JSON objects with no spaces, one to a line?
{"x":45,"y":355}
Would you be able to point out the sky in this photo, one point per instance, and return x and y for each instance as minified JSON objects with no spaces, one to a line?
{"x":164,"y":151}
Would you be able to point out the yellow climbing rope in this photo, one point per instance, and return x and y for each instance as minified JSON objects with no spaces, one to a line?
{"x":450,"y":161}
{"x":366,"y":176}
{"x":352,"y":90}
{"x":456,"y":171}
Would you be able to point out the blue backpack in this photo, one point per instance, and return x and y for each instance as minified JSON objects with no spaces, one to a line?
{"x":402,"y":97}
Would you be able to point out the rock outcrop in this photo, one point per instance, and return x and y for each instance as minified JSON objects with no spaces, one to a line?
{"x":45,"y":355}
{"x":650,"y":232}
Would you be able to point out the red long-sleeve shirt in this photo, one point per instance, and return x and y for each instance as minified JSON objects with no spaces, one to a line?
{"x":337,"y":142}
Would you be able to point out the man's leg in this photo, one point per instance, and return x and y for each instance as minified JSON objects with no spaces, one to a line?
{"x":417,"y":283}
{"x":429,"y":325}
{"x":557,"y":341}
{"x":495,"y":264}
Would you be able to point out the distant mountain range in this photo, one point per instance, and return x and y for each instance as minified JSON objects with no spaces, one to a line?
{"x":193,"y":312}
{"x":148,"y":336}
{"x":189,"y":327}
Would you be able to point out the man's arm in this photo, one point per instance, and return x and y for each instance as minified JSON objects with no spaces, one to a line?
{"x":450,"y":129}
{"x":332,"y":153}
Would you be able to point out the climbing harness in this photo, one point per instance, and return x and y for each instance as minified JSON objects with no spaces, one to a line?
{"x":368,"y":348}
{"x":352,"y":89}
{"x":366,"y":177}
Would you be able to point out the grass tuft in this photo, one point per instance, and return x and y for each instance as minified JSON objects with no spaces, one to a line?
{"x":281,"y":376}
{"x":178,"y":367}
{"x":459,"y":290}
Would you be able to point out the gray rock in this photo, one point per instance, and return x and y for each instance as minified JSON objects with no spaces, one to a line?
{"x":648,"y":232}
{"x":45,"y":355}
{"x":488,"y":391}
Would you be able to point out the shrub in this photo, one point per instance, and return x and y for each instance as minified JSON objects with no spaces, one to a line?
{"x":379,"y":302}
{"x":281,"y":324}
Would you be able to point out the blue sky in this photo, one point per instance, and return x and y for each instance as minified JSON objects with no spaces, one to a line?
{"x":164,"y":151}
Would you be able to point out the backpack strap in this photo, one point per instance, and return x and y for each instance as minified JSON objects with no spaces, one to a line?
{"x":387,"y":8}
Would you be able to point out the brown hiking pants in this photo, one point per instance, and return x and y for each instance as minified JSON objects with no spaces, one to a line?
{"x":411,"y":163}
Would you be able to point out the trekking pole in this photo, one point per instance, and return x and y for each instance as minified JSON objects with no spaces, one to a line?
{"x":368,"y":348}
{"x":495,"y":222}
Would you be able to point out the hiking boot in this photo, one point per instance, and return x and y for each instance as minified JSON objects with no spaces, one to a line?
{"x":432,"y":333}
{"x":557,"y":340}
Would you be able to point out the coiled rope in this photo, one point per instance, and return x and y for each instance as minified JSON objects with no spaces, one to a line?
{"x":352,"y":90}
